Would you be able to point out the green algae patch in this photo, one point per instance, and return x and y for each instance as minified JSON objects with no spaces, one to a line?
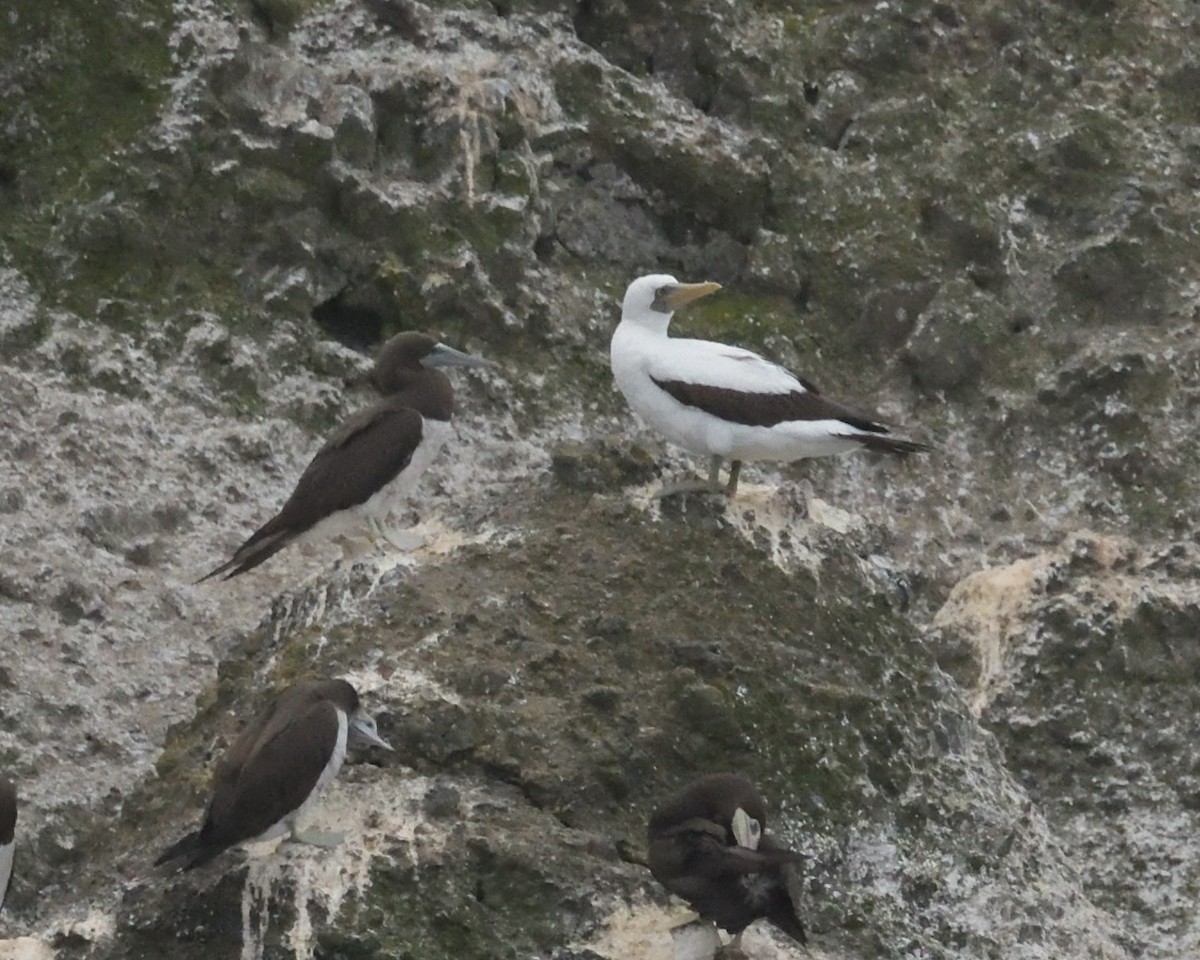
{"x":84,"y":78}
{"x":750,"y":320}
{"x":109,"y":63}
{"x":487,"y":902}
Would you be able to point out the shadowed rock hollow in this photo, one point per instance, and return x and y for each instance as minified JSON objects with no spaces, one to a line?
{"x":966,"y":682}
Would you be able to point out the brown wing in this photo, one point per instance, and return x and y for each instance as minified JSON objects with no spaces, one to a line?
{"x":767,"y":409}
{"x":730,"y":885}
{"x":367,"y":452}
{"x":8,"y":810}
{"x":274,"y":780}
{"x":354,"y":464}
{"x":263,"y":727}
{"x":701,"y":848}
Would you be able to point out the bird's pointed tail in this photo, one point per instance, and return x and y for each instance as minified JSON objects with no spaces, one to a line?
{"x":187,"y":853}
{"x":789,"y":923}
{"x":886,"y":444}
{"x":184,"y":848}
{"x":250,"y":554}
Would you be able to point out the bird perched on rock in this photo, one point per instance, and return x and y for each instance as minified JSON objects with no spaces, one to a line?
{"x":709,"y":845}
{"x":8,"y":827}
{"x":276,"y":768}
{"x":723,"y":401}
{"x":367,"y":468}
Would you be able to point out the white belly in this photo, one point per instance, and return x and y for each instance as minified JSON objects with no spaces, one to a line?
{"x":6,"y":864}
{"x":391,"y":497}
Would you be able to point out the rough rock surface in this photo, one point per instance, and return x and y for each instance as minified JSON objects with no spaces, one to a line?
{"x":967,"y":682}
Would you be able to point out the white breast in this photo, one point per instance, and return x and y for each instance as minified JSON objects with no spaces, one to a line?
{"x":434,"y":434}
{"x":634,"y":355}
{"x":640,"y":356}
{"x":6,"y":865}
{"x":337,"y":757}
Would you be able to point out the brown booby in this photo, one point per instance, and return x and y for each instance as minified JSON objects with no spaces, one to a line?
{"x":367,"y":468}
{"x":8,"y":827}
{"x":723,"y":401}
{"x":709,"y":845}
{"x":278,"y":765}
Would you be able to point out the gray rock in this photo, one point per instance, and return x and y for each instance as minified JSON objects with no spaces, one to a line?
{"x":973,"y":720}
{"x":953,"y":338}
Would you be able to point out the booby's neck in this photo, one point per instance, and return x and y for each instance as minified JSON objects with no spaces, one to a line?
{"x":424,"y":389}
{"x":650,"y":323}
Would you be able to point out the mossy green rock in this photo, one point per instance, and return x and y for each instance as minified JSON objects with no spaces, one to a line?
{"x":972,"y":719}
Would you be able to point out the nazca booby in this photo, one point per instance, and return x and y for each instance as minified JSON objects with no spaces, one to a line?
{"x":722,"y":401}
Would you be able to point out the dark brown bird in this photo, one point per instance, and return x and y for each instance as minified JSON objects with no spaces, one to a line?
{"x":708,"y":845}
{"x":278,"y":764}
{"x":367,"y":468}
{"x":8,"y":827}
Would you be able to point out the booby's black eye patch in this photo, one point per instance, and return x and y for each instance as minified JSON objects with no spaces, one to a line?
{"x":660,"y":299}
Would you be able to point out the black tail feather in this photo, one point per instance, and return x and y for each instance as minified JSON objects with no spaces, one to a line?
{"x":886,"y":444}
{"x":250,"y":554}
{"x":188,"y":853}
{"x":185,"y":847}
{"x":787,"y":921}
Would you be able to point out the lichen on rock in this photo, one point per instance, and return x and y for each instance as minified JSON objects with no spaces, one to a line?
{"x":972,"y":718}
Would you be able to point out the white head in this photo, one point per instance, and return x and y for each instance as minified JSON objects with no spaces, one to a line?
{"x":746,"y":830}
{"x":364,"y":732}
{"x":655,"y":297}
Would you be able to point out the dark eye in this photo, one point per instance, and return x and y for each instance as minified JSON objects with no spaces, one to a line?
{"x":661,"y":292}
{"x":754,"y":828}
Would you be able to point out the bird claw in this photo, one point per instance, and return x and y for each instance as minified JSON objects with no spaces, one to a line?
{"x":711,"y":485}
{"x":402,"y":541}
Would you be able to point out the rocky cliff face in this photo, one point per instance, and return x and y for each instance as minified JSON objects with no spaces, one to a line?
{"x":967,"y":683}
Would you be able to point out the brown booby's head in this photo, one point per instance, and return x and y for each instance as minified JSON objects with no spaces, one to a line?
{"x":408,"y":353}
{"x":361,"y":729}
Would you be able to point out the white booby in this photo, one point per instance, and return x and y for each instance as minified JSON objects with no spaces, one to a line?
{"x":8,"y":827}
{"x":367,"y":468}
{"x":709,"y":845}
{"x":276,"y":768}
{"x":723,"y":401}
